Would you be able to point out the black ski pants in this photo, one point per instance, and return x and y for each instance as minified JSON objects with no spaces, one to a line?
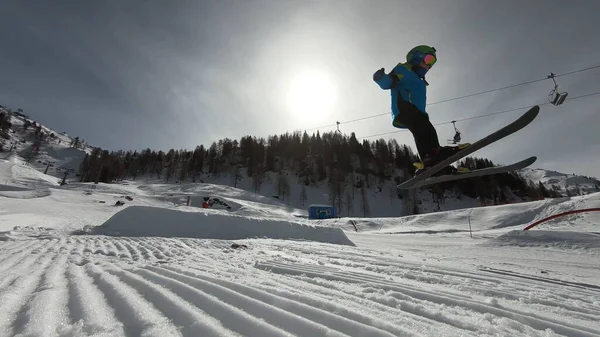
{"x":418,"y":123}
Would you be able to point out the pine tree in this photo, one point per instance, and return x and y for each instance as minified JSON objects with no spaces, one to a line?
{"x":213,"y":160}
{"x":75,"y":142}
{"x":533,"y":192}
{"x":543,"y":190}
{"x":5,"y":125}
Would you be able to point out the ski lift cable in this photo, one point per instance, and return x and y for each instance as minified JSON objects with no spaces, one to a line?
{"x":460,"y":97}
{"x":481,"y":116}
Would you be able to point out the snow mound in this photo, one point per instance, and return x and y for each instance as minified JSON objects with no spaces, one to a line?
{"x":144,"y":221}
{"x":556,"y":239}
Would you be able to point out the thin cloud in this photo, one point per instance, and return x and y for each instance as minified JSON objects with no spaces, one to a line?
{"x":175,"y":75}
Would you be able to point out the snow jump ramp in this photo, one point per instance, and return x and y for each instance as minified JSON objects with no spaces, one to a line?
{"x":144,"y":221}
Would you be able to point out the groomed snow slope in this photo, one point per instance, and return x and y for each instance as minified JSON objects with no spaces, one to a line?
{"x":55,"y":283}
{"x":128,"y":286}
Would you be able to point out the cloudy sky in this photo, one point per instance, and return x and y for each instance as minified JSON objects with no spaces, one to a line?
{"x":175,"y":74}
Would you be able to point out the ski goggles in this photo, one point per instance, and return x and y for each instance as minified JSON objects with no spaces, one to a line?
{"x":429,"y":59}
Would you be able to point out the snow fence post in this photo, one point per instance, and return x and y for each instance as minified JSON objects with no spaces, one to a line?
{"x":470,"y":232}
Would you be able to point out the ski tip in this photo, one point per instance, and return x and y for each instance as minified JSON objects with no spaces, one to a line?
{"x":531,"y":160}
{"x":534,"y":110}
{"x":537,"y":109}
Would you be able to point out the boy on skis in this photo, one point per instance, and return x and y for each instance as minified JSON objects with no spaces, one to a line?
{"x":407,"y":86}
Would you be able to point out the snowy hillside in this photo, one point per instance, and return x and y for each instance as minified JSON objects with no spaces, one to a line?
{"x":382,"y":202}
{"x":574,"y":184}
{"x":53,"y":150}
{"x":59,"y":157}
{"x":74,"y":264}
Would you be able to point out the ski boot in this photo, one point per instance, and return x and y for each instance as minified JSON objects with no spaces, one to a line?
{"x":438,"y":155}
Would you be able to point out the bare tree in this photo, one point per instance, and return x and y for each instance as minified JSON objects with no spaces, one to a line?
{"x":170,"y":171}
{"x":335,"y":188}
{"x":340,"y":202}
{"x":352,"y":183}
{"x":393,"y":193}
{"x":437,"y":194}
{"x":364,"y":205}
{"x":303,"y":196}
{"x":257,"y":179}
{"x":236,"y":173}
{"x":283,"y":186}
{"x":183,"y":173}
{"x":349,"y":202}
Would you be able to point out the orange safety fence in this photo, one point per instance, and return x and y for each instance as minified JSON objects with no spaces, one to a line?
{"x":559,"y":215}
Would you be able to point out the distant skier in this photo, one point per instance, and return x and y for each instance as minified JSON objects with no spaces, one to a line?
{"x":407,"y":86}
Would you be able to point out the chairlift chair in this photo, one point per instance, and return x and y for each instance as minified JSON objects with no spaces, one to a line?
{"x":457,"y":135}
{"x":555,"y":97}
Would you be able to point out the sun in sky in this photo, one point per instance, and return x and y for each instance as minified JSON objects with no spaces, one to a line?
{"x":312,"y":96}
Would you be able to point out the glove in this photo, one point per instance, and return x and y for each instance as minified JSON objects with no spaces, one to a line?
{"x":378,"y":74}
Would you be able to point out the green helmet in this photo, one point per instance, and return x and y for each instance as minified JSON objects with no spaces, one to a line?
{"x":416,"y":55}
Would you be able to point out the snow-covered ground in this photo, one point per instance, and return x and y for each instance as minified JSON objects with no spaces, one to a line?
{"x":74,"y":264}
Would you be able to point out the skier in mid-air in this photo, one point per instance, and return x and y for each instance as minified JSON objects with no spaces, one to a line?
{"x":407,"y":86}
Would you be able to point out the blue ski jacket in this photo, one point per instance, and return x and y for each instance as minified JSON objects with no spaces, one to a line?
{"x":405,"y":84}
